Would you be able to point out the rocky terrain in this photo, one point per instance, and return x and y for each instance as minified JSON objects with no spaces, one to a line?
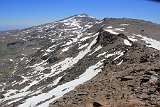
{"x":81,"y":61}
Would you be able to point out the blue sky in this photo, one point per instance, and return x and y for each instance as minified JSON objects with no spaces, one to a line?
{"x":35,"y":12}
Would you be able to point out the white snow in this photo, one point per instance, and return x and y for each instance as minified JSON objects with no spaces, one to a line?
{"x":48,"y":50}
{"x":51,"y":47}
{"x":127,"y":42}
{"x":72,"y":22}
{"x":38,"y":64}
{"x":69,"y":62}
{"x":39,"y":68}
{"x":83,"y":46}
{"x":92,"y":43}
{"x":83,"y":15}
{"x":120,"y":63}
{"x":57,"y":80}
{"x":15,"y":96}
{"x":109,"y":27}
{"x":150,"y":42}
{"x":22,"y":58}
{"x":60,"y":67}
{"x":124,"y":24}
{"x":132,"y":38}
{"x":24,"y":80}
{"x":9,"y":92}
{"x":88,"y":26}
{"x":119,"y":29}
{"x":111,"y":31}
{"x":102,"y":54}
{"x":119,"y":55}
{"x":115,"y":53}
{"x":55,"y":69}
{"x":109,"y":55}
{"x":30,"y":85}
{"x":68,"y":43}
{"x":98,"y":48}
{"x":11,"y":60}
{"x":74,"y":40}
{"x":65,"y":49}
{"x":85,"y":38}
{"x":60,"y":90}
{"x":60,"y":34}
{"x":75,"y":23}
{"x":14,"y":101}
{"x":45,"y":54}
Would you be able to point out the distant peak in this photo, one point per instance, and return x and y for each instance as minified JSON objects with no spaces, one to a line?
{"x":83,"y":15}
{"x":78,"y":16}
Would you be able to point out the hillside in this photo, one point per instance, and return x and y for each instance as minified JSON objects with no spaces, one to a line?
{"x":81,"y":61}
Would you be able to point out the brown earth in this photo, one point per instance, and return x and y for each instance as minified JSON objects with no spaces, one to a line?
{"x":134,"y":83}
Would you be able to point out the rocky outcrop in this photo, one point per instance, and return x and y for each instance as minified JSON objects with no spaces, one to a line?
{"x":134,"y":83}
{"x":105,"y":38}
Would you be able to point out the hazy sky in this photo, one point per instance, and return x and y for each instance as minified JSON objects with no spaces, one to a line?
{"x":34,"y":12}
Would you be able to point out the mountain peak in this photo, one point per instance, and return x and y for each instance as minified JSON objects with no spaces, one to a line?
{"x":82,"y":15}
{"x":42,"y":63}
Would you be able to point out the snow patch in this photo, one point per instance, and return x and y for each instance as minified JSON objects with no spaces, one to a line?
{"x":24,"y":80}
{"x":11,"y":60}
{"x":150,"y":42}
{"x":124,"y":24}
{"x":102,"y":54}
{"x":119,"y":29}
{"x":98,"y":48}
{"x":120,"y":63}
{"x":127,"y":42}
{"x":30,"y":85}
{"x":39,"y":68}
{"x":111,"y":31}
{"x":132,"y":38}
{"x":119,"y":55}
{"x":69,"y":62}
{"x":109,"y":27}
{"x":83,"y":46}
{"x":68,"y":43}
{"x":9,"y":92}
{"x":115,"y":53}
{"x":65,"y":49}
{"x":85,"y":38}
{"x":60,"y":90}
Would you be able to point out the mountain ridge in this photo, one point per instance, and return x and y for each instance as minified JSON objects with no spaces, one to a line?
{"x":43,"y":63}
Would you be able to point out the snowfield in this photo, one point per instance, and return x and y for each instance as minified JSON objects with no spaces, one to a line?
{"x":150,"y":42}
{"x":60,"y":90}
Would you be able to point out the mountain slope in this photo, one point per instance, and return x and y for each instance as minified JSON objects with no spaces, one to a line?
{"x":47,"y":61}
{"x":131,"y":80}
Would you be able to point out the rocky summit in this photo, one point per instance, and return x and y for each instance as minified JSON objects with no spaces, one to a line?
{"x":81,"y":61}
